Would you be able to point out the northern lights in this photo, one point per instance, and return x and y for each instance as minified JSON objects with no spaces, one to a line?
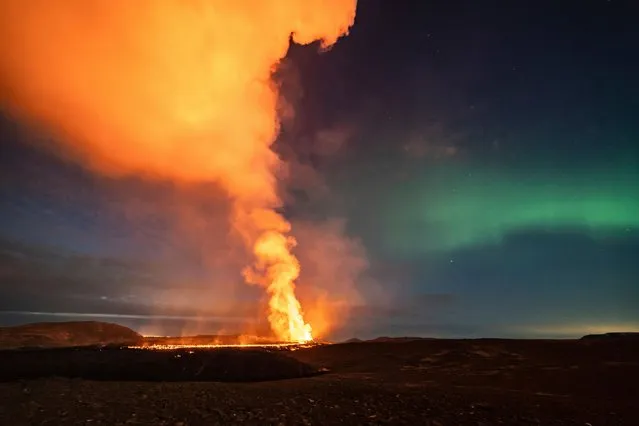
{"x":457,"y":208}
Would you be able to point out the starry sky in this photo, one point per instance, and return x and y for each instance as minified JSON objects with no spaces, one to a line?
{"x":474,"y":164}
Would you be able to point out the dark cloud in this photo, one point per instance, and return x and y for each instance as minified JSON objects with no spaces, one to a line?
{"x":41,"y":278}
{"x":50,"y":284}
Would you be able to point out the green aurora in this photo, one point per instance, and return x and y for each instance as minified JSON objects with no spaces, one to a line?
{"x":454,"y":209}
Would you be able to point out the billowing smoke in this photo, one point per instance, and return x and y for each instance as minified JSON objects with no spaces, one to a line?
{"x":178,"y":90}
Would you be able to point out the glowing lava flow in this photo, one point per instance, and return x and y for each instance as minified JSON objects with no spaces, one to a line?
{"x":170,"y":347}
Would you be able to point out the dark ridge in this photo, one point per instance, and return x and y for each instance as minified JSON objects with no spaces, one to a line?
{"x":66,"y":334}
{"x":122,"y":364}
{"x":613,"y":336}
{"x":386,"y":339}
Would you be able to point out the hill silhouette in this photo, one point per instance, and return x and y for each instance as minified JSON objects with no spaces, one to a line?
{"x":66,"y":334}
{"x":612,"y":336}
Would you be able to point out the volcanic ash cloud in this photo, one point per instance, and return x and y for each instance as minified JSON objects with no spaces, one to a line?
{"x":177,"y":90}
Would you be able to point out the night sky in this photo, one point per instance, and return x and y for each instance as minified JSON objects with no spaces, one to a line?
{"x":481,"y":158}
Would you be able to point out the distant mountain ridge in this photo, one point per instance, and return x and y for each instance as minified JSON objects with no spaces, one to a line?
{"x":66,"y":334}
{"x":384,"y":339}
{"x":94,"y":333}
{"x":627,"y":335}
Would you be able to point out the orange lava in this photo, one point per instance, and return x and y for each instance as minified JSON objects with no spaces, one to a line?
{"x":173,"y":89}
{"x":291,"y":346}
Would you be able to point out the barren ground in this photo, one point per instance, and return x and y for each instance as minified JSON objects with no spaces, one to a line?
{"x":423,"y":382}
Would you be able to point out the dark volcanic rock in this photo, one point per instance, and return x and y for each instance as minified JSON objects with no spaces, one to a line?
{"x":66,"y":334}
{"x":421,"y":382}
{"x":123,"y":364}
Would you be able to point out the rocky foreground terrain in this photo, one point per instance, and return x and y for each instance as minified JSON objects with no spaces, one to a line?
{"x":412,"y":382}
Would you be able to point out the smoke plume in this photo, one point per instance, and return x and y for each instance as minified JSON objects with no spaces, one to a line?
{"x":174,"y":90}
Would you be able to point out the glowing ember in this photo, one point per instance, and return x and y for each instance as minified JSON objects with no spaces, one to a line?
{"x":177,"y":90}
